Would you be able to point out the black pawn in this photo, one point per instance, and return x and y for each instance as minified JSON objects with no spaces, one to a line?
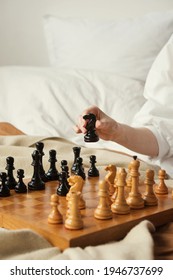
{"x":64,"y":167}
{"x":64,"y":187}
{"x":79,"y":168}
{"x":36,"y":182}
{"x":93,"y":171}
{"x":52,"y":173}
{"x":76,"y":151}
{"x":11,"y":182}
{"x":20,"y":187}
{"x":40,"y":147}
{"x":4,"y":189}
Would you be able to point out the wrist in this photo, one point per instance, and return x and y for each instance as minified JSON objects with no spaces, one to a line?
{"x":116,"y":134}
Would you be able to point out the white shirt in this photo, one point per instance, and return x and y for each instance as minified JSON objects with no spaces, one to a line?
{"x":157,"y":112}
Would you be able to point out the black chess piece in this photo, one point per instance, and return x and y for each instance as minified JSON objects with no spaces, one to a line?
{"x":79,"y":168}
{"x":93,"y":171}
{"x":20,"y":187}
{"x":40,"y":147}
{"x":90,"y":135}
{"x":4,"y":189}
{"x":36,"y":182}
{"x":52,"y":173}
{"x":63,"y":187}
{"x":64,"y":167}
{"x":10,"y":181}
{"x":76,"y":151}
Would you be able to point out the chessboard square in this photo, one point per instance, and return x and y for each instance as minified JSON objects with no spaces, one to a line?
{"x":5,"y":203}
{"x":12,"y":208}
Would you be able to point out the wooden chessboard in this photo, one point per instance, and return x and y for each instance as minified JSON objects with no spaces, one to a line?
{"x":31,"y":211}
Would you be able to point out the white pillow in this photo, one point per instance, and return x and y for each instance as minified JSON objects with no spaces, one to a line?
{"x":48,"y":101}
{"x":126,"y":47}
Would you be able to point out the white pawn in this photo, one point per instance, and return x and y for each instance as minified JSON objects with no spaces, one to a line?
{"x":55,"y":216}
{"x":103,"y":210}
{"x":120,"y":205}
{"x":161,"y":187}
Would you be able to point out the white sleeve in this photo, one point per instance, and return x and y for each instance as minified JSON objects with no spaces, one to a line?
{"x":157,"y":112}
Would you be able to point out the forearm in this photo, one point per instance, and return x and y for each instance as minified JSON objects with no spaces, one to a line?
{"x":139,"y":140}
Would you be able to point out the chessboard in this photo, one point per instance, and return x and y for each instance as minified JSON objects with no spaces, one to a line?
{"x":31,"y":210}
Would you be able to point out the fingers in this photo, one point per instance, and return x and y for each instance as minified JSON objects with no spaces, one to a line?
{"x":77,"y":129}
{"x":81,"y":126}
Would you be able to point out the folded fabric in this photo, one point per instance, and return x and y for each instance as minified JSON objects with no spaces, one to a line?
{"x":138,"y":244}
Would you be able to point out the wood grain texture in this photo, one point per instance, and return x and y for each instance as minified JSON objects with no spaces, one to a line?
{"x":9,"y":129}
{"x":31,"y":211}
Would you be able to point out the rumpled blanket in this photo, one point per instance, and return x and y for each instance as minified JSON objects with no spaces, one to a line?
{"x":137,"y":245}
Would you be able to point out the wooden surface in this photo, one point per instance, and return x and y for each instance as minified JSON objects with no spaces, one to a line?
{"x":9,"y":129}
{"x":31,"y":210}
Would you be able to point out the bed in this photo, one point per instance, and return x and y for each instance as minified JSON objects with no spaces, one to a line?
{"x":68,"y":56}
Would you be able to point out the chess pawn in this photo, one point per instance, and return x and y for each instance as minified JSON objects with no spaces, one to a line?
{"x":103,"y":210}
{"x":135,"y":200}
{"x":63,"y":187}
{"x":20,"y":187}
{"x":64,"y":167}
{"x":11,"y":182}
{"x":4,"y":189}
{"x":36,"y":182}
{"x":76,"y":151}
{"x":120,"y":205}
{"x":93,"y":171}
{"x":110,"y":177}
{"x":74,"y":220}
{"x":52,"y":174}
{"x":161,"y":187}
{"x":149,"y":196}
{"x":55,"y":216}
{"x":79,"y":168}
{"x":39,"y":148}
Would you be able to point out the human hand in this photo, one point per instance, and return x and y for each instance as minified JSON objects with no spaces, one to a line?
{"x":106,"y":127}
